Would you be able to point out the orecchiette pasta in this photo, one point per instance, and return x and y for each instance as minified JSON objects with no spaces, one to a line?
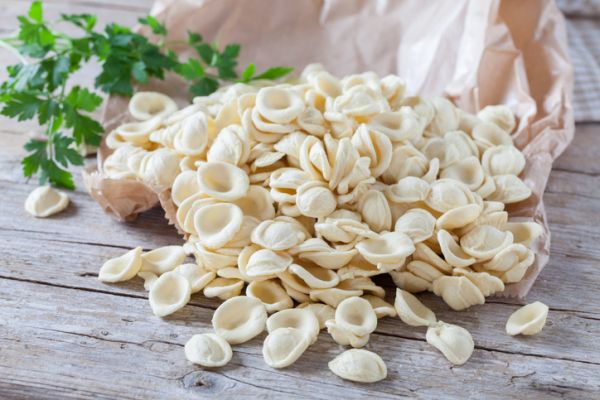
{"x":411,"y":311}
{"x":303,"y":191}
{"x":208,"y":350}
{"x":359,"y":366}
{"x":239,"y":319}
{"x":527,"y":320}
{"x":44,"y":201}
{"x":169,"y":293}
{"x":122,"y":268}
{"x":455,"y":343}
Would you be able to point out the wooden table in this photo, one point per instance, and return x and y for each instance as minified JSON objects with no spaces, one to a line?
{"x":64,"y":334}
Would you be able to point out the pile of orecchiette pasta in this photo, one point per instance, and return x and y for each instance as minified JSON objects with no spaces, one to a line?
{"x":302,"y":192}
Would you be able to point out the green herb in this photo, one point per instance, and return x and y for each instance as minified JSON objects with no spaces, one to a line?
{"x":39,"y":86}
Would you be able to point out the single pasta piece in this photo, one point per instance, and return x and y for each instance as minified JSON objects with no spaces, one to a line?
{"x":44,"y":201}
{"x":527,"y":320}
{"x":359,"y":366}
{"x":208,"y":350}
{"x":455,"y":343}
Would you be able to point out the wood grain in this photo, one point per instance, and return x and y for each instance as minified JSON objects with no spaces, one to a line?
{"x":64,"y":334}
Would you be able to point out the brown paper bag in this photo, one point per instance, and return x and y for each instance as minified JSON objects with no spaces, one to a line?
{"x":476,"y":53}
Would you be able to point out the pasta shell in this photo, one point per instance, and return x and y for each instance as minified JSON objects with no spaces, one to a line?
{"x":138,"y":133}
{"x":323,"y":312}
{"x":279,"y":234}
{"x":360,"y":101}
{"x":389,"y":248}
{"x":365,"y":284}
{"x":467,"y":171}
{"x":375,"y":145}
{"x":459,"y":217}
{"x":527,"y":320}
{"x":458,"y":292}
{"x":517,"y":272}
{"x":406,"y":161}
{"x":453,"y":253}
{"x":356,"y":316}
{"x":271,"y":294}
{"x":407,"y":190}
{"x":121,"y":268}
{"x":509,"y":189}
{"x":486,"y":283}
{"x":398,"y":126}
{"x":375,"y":211}
{"x":314,"y":276}
{"x":503,"y":160}
{"x":509,"y":257}
{"x":487,"y":187}
{"x":44,"y":201}
{"x":290,"y":145}
{"x":298,"y":318}
{"x":185,"y":185}
{"x":393,"y":88}
{"x":455,"y":343}
{"x":163,"y":259}
{"x":193,"y":137}
{"x":161,"y":169}
{"x":279,"y":105}
{"x":216,"y":258}
{"x":325,"y":84}
{"x":197,"y":276}
{"x":525,"y":232}
{"x":208,"y":350}
{"x":447,"y":194}
{"x":334,"y":296}
{"x":222,"y":181}
{"x":359,"y":366}
{"x":500,"y":115}
{"x":232,"y":145}
{"x":411,"y":311}
{"x":319,"y":252}
{"x":485,"y":241}
{"x":488,"y":135}
{"x":424,"y":253}
{"x":410,"y":282}
{"x":445,"y":118}
{"x":284,"y":346}
{"x":265,"y":262}
{"x":146,"y":105}
{"x":217,"y":224}
{"x":169,"y":293}
{"x":418,"y":224}
{"x":223,"y":288}
{"x":315,"y":199}
{"x":344,"y":337}
{"x":239,"y":319}
{"x":381,"y":307}
{"x":311,"y":120}
{"x":257,"y":203}
{"x":424,"y":270}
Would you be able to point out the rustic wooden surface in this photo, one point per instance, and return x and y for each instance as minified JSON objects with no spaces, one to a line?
{"x":64,"y":334}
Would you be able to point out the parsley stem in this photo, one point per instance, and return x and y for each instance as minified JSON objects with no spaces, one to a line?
{"x":5,"y":44}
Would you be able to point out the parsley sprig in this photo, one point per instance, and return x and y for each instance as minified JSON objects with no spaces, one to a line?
{"x":39,"y":86}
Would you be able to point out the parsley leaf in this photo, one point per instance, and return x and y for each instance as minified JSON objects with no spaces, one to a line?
{"x":274,"y":73}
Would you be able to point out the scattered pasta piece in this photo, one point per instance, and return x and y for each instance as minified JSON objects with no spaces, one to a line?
{"x":208,"y":350}
{"x":169,"y":293}
{"x":455,"y":343}
{"x":359,"y":366}
{"x":44,"y":201}
{"x":284,"y":346}
{"x":411,"y":311}
{"x":527,"y":320}
{"x":122,"y":268}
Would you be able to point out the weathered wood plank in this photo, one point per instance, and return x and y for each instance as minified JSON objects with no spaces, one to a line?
{"x":96,"y":345}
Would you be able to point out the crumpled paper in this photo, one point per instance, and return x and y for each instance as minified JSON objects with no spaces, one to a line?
{"x":476,"y":53}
